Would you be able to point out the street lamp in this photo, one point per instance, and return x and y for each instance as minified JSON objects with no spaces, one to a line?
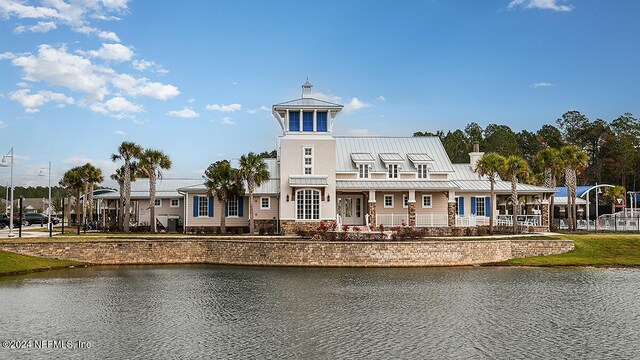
{"x":4,"y":163}
{"x":42,"y":173}
{"x":598,"y":192}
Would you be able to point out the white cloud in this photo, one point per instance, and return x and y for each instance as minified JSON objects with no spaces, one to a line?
{"x":59,"y":68}
{"x":227,"y":121}
{"x":356,"y":104}
{"x":31,"y":102}
{"x":108,"y":35}
{"x":114,"y":52}
{"x":261,"y":108}
{"x":7,"y":55}
{"x":190,"y":101}
{"x":185,"y":113}
{"x":120,"y":132}
{"x":360,"y":132}
{"x":540,"y":4}
{"x":327,"y":97}
{"x":40,"y":27}
{"x":224,"y":108}
{"x":22,"y":84}
{"x":542,"y":85}
{"x":2,"y":124}
{"x":107,"y":166}
{"x":158,"y":91}
{"x":142,"y":65}
{"x":72,"y":13}
{"x":381,"y":98}
{"x":116,"y":105}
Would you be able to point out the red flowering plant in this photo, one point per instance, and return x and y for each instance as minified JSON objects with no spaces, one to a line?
{"x":381,"y":228}
{"x":345,"y":228}
{"x":356,"y":228}
{"x":334,"y":226}
{"x":404,"y":223}
{"x":323,"y":227}
{"x":372,"y":228}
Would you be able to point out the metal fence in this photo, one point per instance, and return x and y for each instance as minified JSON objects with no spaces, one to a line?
{"x":609,"y":222}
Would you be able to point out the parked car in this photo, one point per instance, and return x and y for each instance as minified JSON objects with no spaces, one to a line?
{"x":35,"y":218}
{"x":4,"y":220}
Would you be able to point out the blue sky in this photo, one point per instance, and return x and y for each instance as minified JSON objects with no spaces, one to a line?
{"x":197,"y":78}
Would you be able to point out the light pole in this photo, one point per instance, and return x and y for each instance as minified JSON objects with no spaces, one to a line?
{"x":599,"y":191}
{"x":3,"y":163}
{"x":42,"y":173}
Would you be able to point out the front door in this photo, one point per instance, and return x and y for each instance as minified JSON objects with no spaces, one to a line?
{"x":350,"y":209}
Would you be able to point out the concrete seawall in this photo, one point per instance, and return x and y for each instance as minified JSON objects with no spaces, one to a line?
{"x":291,"y":253}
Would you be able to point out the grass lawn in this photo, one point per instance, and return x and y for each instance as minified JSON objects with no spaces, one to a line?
{"x":11,"y":263}
{"x":592,"y":250}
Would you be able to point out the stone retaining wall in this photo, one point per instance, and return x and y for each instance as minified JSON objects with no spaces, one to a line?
{"x":291,"y":253}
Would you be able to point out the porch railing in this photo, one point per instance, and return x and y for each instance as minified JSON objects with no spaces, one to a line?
{"x":471,"y":220}
{"x":392,"y":219}
{"x":432,"y":220}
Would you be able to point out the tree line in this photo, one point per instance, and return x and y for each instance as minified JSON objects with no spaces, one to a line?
{"x":612,"y":147}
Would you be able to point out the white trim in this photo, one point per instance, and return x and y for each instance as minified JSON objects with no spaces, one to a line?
{"x":397,"y":171}
{"x":295,"y":203}
{"x":156,"y":199}
{"x":268,"y":207}
{"x":384,"y":201}
{"x":171,"y":203}
{"x":236,"y":200}
{"x":366,"y":169}
{"x":430,"y":201}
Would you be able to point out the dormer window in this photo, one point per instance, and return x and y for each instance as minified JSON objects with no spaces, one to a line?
{"x":363,"y":171}
{"x":392,"y":171}
{"x":422,"y":171}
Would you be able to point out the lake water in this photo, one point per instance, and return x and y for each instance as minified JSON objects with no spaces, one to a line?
{"x":248,"y":312}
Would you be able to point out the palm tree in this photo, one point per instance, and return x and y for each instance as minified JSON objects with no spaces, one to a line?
{"x":551,"y":163}
{"x":84,"y":172}
{"x":151,"y":164}
{"x":612,"y":194}
{"x":127,"y":151}
{"x":254,"y":171}
{"x":93,"y":176}
{"x":490,"y":165}
{"x":574,"y":161}
{"x":73,"y":180}
{"x":118,"y":176}
{"x":222,"y":180}
{"x":514,"y":168}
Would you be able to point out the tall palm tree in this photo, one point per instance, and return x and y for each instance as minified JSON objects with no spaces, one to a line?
{"x":551,"y":163}
{"x":127,"y":151}
{"x":222,"y":180}
{"x":151,"y":164}
{"x":574,"y":162}
{"x":84,"y":172}
{"x":612,"y":194}
{"x":93,"y":176}
{"x":254,"y":171}
{"x":491,"y":165}
{"x":73,"y":180}
{"x":118,"y":176}
{"x":514,"y":168}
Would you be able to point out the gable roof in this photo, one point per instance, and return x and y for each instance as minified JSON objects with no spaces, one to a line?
{"x":468,"y":180}
{"x":308,"y":103}
{"x":402,"y":146}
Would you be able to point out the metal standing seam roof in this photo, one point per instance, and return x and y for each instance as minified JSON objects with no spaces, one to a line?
{"x":362,"y":157}
{"x":308,"y":103}
{"x":165,"y":188}
{"x":563,"y":200}
{"x":298,"y":181}
{"x":391,"y":157}
{"x":395,"y":185}
{"x":347,"y":145}
{"x":500,"y":186}
{"x":419,"y":157}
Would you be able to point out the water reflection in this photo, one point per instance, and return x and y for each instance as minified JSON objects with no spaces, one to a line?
{"x":238,"y":312}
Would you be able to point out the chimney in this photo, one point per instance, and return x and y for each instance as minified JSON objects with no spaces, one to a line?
{"x":475,"y":155}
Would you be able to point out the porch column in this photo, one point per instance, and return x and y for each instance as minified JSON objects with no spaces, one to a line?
{"x":545,"y":214}
{"x":412,"y":207}
{"x":451,"y":208}
{"x":372,"y":208}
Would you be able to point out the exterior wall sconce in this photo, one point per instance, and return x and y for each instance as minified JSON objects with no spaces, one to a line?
{"x":328,"y":198}
{"x":287,"y":197}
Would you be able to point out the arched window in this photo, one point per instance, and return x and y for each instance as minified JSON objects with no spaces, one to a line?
{"x":308,"y":204}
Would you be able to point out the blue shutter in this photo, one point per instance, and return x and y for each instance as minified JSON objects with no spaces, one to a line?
{"x":307,"y":121}
{"x":461,"y":206}
{"x":196,"y":204}
{"x":473,"y":205}
{"x":210,"y":206}
{"x":294,"y":121}
{"x":240,"y":206}
{"x":321,"y":121}
{"x":487,"y":206}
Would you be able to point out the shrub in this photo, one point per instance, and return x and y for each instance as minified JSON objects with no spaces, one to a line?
{"x":381,"y":227}
{"x":356,"y":228}
{"x":345,"y":228}
{"x":323,"y":227}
